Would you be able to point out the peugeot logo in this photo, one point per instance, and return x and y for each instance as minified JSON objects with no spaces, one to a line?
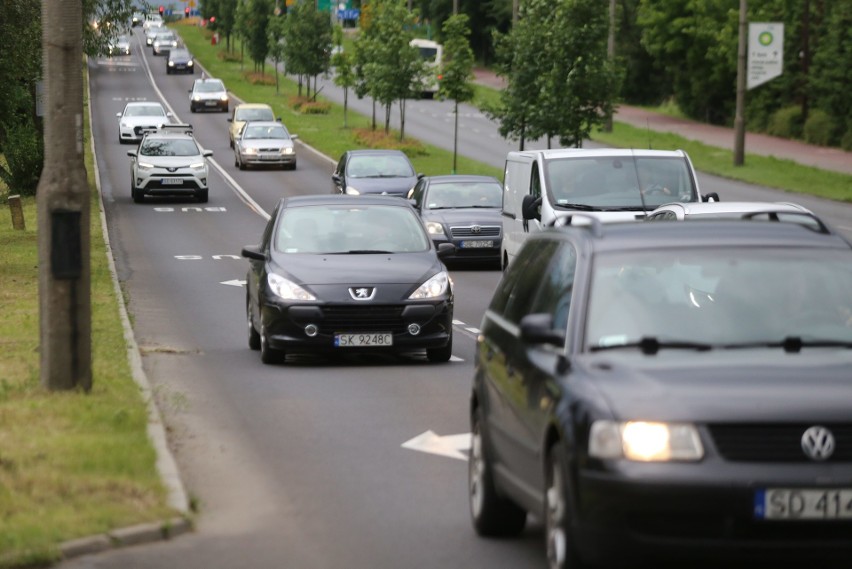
{"x":362,"y":292}
{"x":818,"y":443}
{"x":475,"y":229}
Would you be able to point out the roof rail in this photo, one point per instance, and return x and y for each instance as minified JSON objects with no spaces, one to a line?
{"x":776,"y":215}
{"x":568,"y":220}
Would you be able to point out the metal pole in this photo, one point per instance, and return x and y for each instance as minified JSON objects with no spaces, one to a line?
{"x":62,"y":198}
{"x":610,"y":51}
{"x":739,"y":120}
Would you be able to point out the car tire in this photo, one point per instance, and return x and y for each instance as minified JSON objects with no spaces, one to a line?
{"x":241,"y":165}
{"x":441,"y":355}
{"x":201,"y":196}
{"x":230,"y":143}
{"x":561,"y":551}
{"x":491,"y":514}
{"x":225,"y":109}
{"x":253,"y":335}
{"x":269,"y":355}
{"x":192,"y":108}
{"x":137,"y":194}
{"x":293,"y":166}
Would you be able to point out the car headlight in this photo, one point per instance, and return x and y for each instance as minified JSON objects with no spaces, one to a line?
{"x":644,"y":441}
{"x":174,"y":44}
{"x":434,"y":228}
{"x":144,"y":165}
{"x":196,"y":98}
{"x":125,"y":125}
{"x":171,"y":63}
{"x":286,"y":289}
{"x":350,"y":191}
{"x":223,"y":97}
{"x":197,"y":166}
{"x":287,"y":150}
{"x":189,"y":63}
{"x":433,"y":288}
{"x":249,"y":150}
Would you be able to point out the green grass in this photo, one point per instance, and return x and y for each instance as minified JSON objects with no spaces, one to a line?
{"x":72,"y":464}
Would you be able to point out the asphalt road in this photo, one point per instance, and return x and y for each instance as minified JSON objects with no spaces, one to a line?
{"x":300,"y":465}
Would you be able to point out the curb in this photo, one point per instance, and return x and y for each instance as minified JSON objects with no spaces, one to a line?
{"x":132,"y":535}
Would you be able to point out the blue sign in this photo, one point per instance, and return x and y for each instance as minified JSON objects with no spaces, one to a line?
{"x":351,"y":14}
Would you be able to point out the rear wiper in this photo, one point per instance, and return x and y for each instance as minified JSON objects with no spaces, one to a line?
{"x":650,"y":345}
{"x":578,"y":206}
{"x":791,"y":344}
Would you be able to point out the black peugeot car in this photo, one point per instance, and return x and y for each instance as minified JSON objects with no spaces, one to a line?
{"x":180,"y":61}
{"x":343,"y":273}
{"x":670,"y":391}
{"x":373,"y":172}
{"x":464,"y":210}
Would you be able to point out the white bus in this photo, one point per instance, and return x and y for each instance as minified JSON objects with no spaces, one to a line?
{"x":431,"y":52}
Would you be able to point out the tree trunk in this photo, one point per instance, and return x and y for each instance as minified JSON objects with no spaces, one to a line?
{"x":402,"y":119}
{"x":374,"y":115}
{"x":387,"y":117}
{"x":345,"y":106}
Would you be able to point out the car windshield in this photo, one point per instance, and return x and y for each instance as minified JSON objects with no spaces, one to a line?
{"x":334,"y":229}
{"x":464,"y":194}
{"x":721,"y":296}
{"x":254,"y":115}
{"x":209,"y":86}
{"x":145,"y":111}
{"x":179,"y":54}
{"x":614,"y":182}
{"x":169,"y":147}
{"x":165,"y":36}
{"x":277,"y":132}
{"x":379,"y":166}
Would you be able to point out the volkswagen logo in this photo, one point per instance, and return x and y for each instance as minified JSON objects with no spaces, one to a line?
{"x":362,"y":292}
{"x":475,"y":229}
{"x":818,"y":443}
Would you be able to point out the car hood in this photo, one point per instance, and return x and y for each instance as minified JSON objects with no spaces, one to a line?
{"x":398,"y":186}
{"x":152,"y":120}
{"x":172,"y":161}
{"x":358,"y":269}
{"x":275,"y":143}
{"x":204,"y":95}
{"x":464,"y":216}
{"x":731,"y":385}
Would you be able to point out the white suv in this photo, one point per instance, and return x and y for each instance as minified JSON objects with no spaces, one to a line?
{"x":169,"y":162}
{"x":208,"y":93}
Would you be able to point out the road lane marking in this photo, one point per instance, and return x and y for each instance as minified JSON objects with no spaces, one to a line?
{"x":451,"y":446}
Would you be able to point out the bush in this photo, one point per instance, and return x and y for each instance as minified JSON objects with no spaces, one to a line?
{"x":308,"y":106}
{"x":379,"y":139}
{"x":24,"y":150}
{"x":229,"y":56}
{"x":786,"y":123}
{"x":256,"y":78}
{"x":819,"y":128}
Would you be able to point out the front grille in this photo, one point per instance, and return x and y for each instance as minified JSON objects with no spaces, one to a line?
{"x":362,"y":319}
{"x":776,"y":442}
{"x":137,"y":130}
{"x":484,"y":231}
{"x":268,"y":150}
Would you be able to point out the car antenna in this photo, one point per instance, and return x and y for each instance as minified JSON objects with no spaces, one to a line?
{"x":639,"y":185}
{"x":648,"y":132}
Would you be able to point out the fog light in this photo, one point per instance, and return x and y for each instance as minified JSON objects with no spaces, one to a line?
{"x":311,"y":330}
{"x":414,"y":329}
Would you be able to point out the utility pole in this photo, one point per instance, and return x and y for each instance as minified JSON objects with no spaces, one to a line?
{"x":610,"y":52}
{"x":65,"y":319}
{"x":739,"y":118}
{"x":515,"y":9}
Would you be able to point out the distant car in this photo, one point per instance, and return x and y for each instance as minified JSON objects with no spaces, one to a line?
{"x":343,"y":274}
{"x":169,"y":162}
{"x":462,"y":210}
{"x":151,"y":31}
{"x":709,"y":210}
{"x":164,"y":42}
{"x":247,"y":112}
{"x":136,"y":19}
{"x":153,"y":20}
{"x":208,"y":93}
{"x":139,"y":116}
{"x":671,"y":394}
{"x":119,"y":46}
{"x":265,"y":143}
{"x":374,"y":172}
{"x":180,"y":61}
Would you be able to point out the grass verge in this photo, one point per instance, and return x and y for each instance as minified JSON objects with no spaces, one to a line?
{"x":71,"y":464}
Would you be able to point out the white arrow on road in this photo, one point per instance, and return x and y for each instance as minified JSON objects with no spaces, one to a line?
{"x":449,"y":445}
{"x":234,"y":282}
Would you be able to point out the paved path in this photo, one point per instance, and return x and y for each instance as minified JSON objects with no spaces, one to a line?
{"x":821,"y":157}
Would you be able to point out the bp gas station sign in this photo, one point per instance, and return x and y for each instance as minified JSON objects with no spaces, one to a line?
{"x":765,"y":52}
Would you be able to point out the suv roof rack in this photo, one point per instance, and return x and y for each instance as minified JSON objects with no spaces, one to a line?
{"x":178,"y":127}
{"x":781,"y":215}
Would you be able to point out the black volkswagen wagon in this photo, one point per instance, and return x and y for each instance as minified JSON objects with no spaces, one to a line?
{"x":674,"y":391}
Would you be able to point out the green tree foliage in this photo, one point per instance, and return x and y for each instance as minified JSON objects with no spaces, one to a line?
{"x":257,"y":20}
{"x":225,"y":13}
{"x":457,"y":69}
{"x":275,"y":39}
{"x":344,"y":71}
{"x":307,"y":35}
{"x":831,"y":74}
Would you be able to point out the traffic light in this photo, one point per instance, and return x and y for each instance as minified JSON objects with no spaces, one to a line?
{"x":186,"y":12}
{"x":162,"y":10}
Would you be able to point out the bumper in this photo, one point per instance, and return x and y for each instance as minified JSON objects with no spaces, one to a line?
{"x":182,"y":68}
{"x":268,"y":160}
{"x":655,"y":511}
{"x":212,"y":104}
{"x":286,"y":323}
{"x":160,"y":184}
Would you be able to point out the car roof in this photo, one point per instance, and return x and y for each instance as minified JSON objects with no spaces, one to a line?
{"x":374,"y":152}
{"x":707,"y":234}
{"x":143,"y":104}
{"x":446,"y":178}
{"x":207,"y":80}
{"x":252,"y":106}
{"x":709,"y":208}
{"x":264,"y":123}
{"x":299,"y":201}
{"x":601,"y":152}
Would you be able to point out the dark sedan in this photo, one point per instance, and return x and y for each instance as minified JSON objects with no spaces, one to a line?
{"x":373,"y":172}
{"x":341,"y":273}
{"x":180,"y":61}
{"x":464,"y":211}
{"x":677,"y":392}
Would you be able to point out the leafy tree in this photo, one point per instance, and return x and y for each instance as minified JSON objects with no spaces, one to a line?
{"x":457,"y":69}
{"x":275,"y":39}
{"x":307,"y":35}
{"x":344,"y":71}
{"x":257,"y":20}
{"x":830,"y":78}
{"x":225,"y":12}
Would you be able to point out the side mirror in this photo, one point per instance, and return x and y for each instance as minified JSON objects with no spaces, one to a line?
{"x":446,"y":250}
{"x":189,"y":90}
{"x":531,"y":207}
{"x":229,"y":119}
{"x":294,"y":136}
{"x":278,"y":119}
{"x":118,"y":115}
{"x":413,"y":204}
{"x":538,"y":329}
{"x":420,"y":175}
{"x":253,"y":252}
{"x":168,"y":114}
{"x":711,"y":197}
{"x":335,"y":177}
{"x":131,"y":153}
{"x":207,"y":153}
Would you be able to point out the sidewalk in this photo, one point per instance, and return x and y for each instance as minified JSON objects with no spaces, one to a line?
{"x":833,"y":159}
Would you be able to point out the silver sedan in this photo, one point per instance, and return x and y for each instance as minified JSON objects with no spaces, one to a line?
{"x":265,"y":143}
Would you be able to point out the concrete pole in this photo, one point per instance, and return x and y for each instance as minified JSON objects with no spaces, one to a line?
{"x":65,"y":322}
{"x":739,"y":118}
{"x":455,"y":7}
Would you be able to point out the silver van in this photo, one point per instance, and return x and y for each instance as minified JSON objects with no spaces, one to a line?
{"x":612,"y":184}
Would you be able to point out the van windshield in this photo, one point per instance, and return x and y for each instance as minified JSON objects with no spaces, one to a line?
{"x":615,"y":182}
{"x":429,"y":54}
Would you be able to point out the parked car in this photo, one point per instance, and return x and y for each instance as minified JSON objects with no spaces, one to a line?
{"x":169,"y":162}
{"x":247,"y":112}
{"x":343,"y":274}
{"x":138,"y":116}
{"x":208,"y":93}
{"x":463,"y":210}
{"x":163,"y":42}
{"x":611,"y":184}
{"x":180,"y":61}
{"x":669,"y":392}
{"x":265,"y":143}
{"x":376,"y":172}
{"x":119,"y":46}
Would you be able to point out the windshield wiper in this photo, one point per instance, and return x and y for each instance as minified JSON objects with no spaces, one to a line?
{"x":624,"y":208}
{"x":578,"y":206}
{"x":362,"y":252}
{"x":650,"y":345}
{"x":791,"y":344}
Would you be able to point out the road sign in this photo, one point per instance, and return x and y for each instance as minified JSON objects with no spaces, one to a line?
{"x":765,"y":52}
